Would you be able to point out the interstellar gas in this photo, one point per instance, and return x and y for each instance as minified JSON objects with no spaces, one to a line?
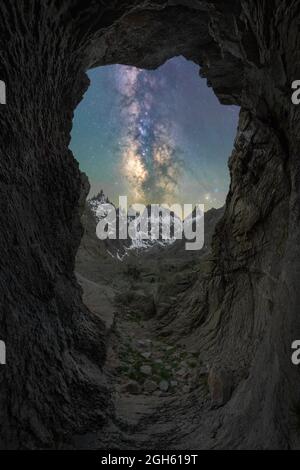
{"x":151,"y":161}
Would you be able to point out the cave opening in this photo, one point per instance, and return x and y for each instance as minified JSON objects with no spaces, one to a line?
{"x":158,"y":137}
{"x":155,"y":135}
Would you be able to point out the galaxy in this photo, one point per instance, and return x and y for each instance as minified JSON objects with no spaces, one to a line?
{"x":156,"y":136}
{"x":151,"y":158}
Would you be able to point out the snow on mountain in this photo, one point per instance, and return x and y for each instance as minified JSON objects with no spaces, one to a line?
{"x":140,"y":237}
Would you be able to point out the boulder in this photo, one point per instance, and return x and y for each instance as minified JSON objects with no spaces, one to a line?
{"x":164,"y":385}
{"x":132,"y":387}
{"x":150,"y":386}
{"x":147,"y":370}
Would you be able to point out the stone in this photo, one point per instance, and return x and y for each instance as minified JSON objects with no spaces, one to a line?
{"x":146,"y":355}
{"x":143,"y":345}
{"x":182,"y":373}
{"x":132,"y":387}
{"x":150,"y":386}
{"x":147,"y":370}
{"x":164,"y":385}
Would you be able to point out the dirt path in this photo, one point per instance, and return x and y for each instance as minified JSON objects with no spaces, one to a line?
{"x":158,"y":387}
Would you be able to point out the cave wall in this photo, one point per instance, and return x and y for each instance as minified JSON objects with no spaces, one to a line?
{"x":253,"y":291}
{"x":52,"y":386}
{"x":52,"y":383}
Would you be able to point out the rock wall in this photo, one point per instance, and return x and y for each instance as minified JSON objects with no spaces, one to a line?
{"x":52,"y":386}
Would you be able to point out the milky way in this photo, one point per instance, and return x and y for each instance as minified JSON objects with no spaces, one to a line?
{"x":151,"y":159}
{"x":156,"y":136}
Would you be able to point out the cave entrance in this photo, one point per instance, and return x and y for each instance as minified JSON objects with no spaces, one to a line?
{"x":157,"y":137}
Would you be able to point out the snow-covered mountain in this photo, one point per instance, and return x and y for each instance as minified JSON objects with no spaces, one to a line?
{"x":140,"y":237}
{"x":146,"y":241}
{"x":120,"y":249}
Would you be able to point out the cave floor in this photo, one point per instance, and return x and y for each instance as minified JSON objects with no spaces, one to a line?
{"x":159,"y":386}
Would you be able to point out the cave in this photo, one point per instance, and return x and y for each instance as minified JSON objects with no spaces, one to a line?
{"x":55,"y":392}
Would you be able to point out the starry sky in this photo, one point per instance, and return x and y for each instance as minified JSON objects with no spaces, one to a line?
{"x":156,"y":136}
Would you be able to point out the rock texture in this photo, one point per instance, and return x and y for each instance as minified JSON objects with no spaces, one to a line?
{"x":53,"y":387}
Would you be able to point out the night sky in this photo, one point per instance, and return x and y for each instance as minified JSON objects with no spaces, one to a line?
{"x":156,"y":136}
